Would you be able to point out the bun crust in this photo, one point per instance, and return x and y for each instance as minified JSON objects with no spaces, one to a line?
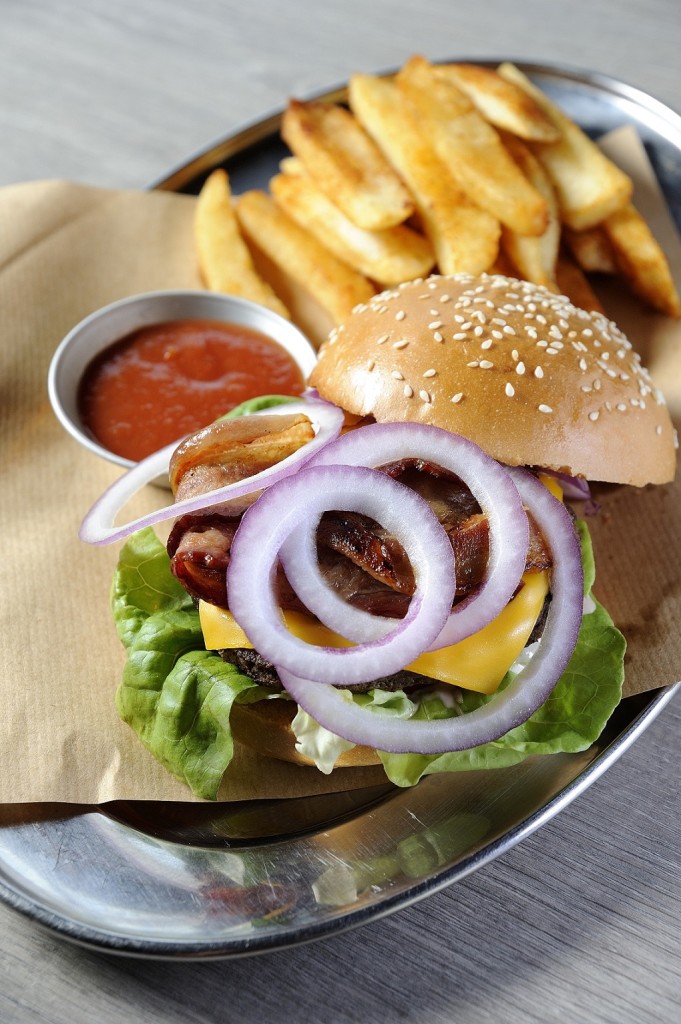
{"x":531,"y":378}
{"x":266,"y":727}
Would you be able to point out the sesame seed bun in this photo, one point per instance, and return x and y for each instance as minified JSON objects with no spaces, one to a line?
{"x":265,"y":726}
{"x":528,"y":376}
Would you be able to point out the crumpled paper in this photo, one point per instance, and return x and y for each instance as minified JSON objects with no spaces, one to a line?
{"x":66,"y":250}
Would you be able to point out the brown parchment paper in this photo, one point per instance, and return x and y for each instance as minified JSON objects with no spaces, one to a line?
{"x":67,"y":249}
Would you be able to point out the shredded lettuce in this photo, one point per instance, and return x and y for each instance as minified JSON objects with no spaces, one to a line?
{"x":177,"y":696}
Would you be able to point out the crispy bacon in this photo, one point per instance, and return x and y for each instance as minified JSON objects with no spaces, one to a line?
{"x":359,"y":559}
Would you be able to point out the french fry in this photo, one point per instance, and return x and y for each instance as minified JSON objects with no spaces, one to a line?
{"x":388,"y":256}
{"x":641,"y":261}
{"x":504,"y":104}
{"x":335,"y":286}
{"x":573,"y":282}
{"x":464,"y":237}
{"x":589,"y":186}
{"x":224,"y":260}
{"x":591,"y":249}
{"x":471,"y":148}
{"x":346,"y":164}
{"x":291,"y":165}
{"x":534,"y":255}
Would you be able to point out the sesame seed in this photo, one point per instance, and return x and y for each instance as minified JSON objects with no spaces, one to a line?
{"x":408,"y":391}
{"x":508,"y":329}
{"x":658,"y":430}
{"x":538,"y":372}
{"x":433,"y":312}
{"x":401,"y":344}
{"x":487,"y":343}
{"x":397,"y":375}
{"x":515,"y":355}
{"x":401,"y":315}
{"x":541,"y":319}
{"x":457,"y":397}
{"x":622,"y":406}
{"x":485,"y":364}
{"x":371,"y":364}
{"x":593,"y":416}
{"x":437,"y":336}
{"x":458,"y":337}
{"x":582,"y":364}
{"x":510,"y":390}
{"x":382,"y":340}
{"x":520,"y":368}
{"x":467,"y":326}
{"x":425,"y":396}
{"x":478,"y":331}
{"x":587,"y":389}
{"x":433,"y":326}
{"x":544,"y":408}
{"x":587,"y":332}
{"x":474,"y":362}
{"x":497,"y":334}
{"x":430,"y":373}
{"x":444,"y":298}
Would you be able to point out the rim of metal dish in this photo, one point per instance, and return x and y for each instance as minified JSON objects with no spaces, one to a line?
{"x":94,"y":938}
{"x":252,"y":132}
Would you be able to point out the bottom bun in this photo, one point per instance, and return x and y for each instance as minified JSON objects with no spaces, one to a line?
{"x":266,"y":727}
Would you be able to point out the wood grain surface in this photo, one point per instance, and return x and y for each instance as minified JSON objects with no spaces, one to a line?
{"x":580,"y":922}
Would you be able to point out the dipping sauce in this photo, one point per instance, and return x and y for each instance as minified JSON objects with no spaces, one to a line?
{"x":169,"y":379}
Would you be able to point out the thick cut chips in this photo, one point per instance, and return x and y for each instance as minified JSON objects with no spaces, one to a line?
{"x":224,"y":260}
{"x":464,"y":237}
{"x":589,"y":186}
{"x":335,"y":285}
{"x":346,"y":164}
{"x":471,"y":148}
{"x":388,"y":256}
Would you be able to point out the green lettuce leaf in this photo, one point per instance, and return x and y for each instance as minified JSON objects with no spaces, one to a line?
{"x":257,"y":404}
{"x":175,"y":695}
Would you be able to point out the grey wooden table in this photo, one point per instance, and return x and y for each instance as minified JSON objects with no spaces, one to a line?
{"x":579,"y":923}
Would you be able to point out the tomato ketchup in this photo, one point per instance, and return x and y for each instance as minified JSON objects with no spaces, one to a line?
{"x":169,"y":379}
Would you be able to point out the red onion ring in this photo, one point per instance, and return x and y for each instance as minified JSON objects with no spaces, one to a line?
{"x":381,"y":443}
{"x":276,"y":514}
{"x":508,"y":709}
{"x":98,"y":525}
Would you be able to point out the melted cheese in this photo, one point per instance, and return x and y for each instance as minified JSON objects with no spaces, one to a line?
{"x":478,"y":663}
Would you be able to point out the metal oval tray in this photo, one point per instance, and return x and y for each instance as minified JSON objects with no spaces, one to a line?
{"x":196,"y":880}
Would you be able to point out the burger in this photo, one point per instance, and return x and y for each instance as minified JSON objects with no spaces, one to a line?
{"x":394,"y":569}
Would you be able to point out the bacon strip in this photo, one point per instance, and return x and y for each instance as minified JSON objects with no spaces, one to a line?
{"x":359,"y":559}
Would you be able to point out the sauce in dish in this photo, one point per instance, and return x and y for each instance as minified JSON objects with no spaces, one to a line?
{"x":170,"y":379}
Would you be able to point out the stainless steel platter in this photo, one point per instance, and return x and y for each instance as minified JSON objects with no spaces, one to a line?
{"x":194,"y":880}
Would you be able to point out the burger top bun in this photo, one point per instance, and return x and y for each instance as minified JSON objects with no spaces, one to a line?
{"x":521,"y":371}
